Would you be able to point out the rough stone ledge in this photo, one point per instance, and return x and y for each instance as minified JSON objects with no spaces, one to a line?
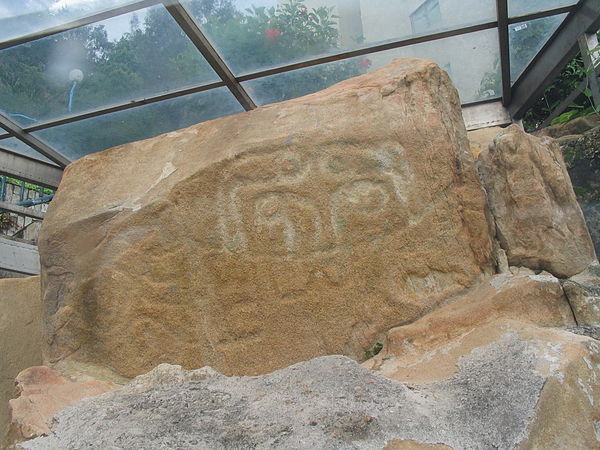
{"x":326,"y":403}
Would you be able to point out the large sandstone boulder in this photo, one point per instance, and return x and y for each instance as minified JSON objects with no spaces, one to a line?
{"x":20,"y":336}
{"x":538,"y":220}
{"x":255,"y":241}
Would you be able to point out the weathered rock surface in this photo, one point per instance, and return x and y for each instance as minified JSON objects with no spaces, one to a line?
{"x":42,"y":393}
{"x":480,"y":140}
{"x":567,"y":411}
{"x":538,"y":220}
{"x":252,"y":242}
{"x":427,"y":347}
{"x":522,"y":386}
{"x":20,"y":336}
{"x":433,"y":349}
{"x":572,"y":128}
{"x":583,"y":291}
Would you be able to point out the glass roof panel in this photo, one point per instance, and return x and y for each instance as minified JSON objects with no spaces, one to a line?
{"x":522,"y":7}
{"x":80,"y":138}
{"x":273,"y":33}
{"x":85,"y":69}
{"x":526,"y":39}
{"x":478,"y":80}
{"x":17,"y":146}
{"x":19,"y":18}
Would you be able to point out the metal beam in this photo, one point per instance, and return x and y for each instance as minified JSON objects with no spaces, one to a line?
{"x":27,"y":212}
{"x":29,"y":169}
{"x":541,"y":14}
{"x":123,"y":106}
{"x":588,"y":45}
{"x":88,"y":20}
{"x":554,"y":56}
{"x":486,"y":115}
{"x":394,"y":44}
{"x":502,"y":11}
{"x":19,"y":257}
{"x":33,"y":142}
{"x":193,"y":32}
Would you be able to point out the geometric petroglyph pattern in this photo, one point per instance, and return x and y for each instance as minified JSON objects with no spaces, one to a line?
{"x":311,"y":201}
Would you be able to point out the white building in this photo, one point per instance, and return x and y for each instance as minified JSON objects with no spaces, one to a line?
{"x":373,"y":21}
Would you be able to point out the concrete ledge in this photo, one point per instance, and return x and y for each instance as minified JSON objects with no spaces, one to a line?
{"x":29,"y":169}
{"x":19,"y":257}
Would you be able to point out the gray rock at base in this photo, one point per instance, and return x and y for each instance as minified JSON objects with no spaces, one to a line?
{"x":585,"y":330}
{"x":583,"y":292}
{"x":326,"y":403}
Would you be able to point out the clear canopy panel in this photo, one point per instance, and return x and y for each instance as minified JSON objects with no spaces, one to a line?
{"x":475,"y":81}
{"x":521,"y":7}
{"x":15,"y":145}
{"x":145,"y":53}
{"x":256,"y":35}
{"x":86,"y":68}
{"x":20,"y":18}
{"x":80,"y":138}
{"x":526,"y":39}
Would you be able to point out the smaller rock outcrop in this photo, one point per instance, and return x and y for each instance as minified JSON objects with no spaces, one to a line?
{"x":583,"y":291}
{"x":538,"y":220}
{"x":536,"y":299}
{"x":42,"y":393}
{"x":572,"y":128}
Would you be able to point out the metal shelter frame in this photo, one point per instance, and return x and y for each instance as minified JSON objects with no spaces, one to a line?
{"x":583,"y":17}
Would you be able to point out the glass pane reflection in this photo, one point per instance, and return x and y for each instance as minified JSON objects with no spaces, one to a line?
{"x":478,"y":80}
{"x":85,"y":68}
{"x":526,"y":39}
{"x":78,"y":139}
{"x":20,"y":18}
{"x":273,"y":33}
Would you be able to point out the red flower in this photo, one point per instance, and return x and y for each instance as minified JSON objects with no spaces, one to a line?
{"x":365,"y":62}
{"x":272,"y":34}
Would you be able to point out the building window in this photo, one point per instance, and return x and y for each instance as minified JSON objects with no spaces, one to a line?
{"x":426,"y":17}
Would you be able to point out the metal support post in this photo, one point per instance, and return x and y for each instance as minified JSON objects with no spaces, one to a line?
{"x":590,"y":52}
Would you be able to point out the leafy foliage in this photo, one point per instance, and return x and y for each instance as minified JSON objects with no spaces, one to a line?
{"x":374,"y":351}
{"x":30,"y":186}
{"x":558,"y":91}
